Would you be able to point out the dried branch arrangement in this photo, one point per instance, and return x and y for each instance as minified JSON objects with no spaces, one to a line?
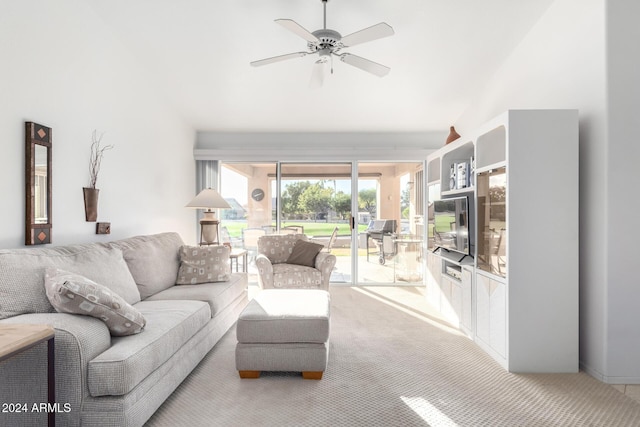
{"x":96,"y":157}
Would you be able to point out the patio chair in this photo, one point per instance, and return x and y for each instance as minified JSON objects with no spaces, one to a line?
{"x":225,"y":237}
{"x":269,"y":229}
{"x":250,"y":238}
{"x":274,"y":270}
{"x":332,"y":239}
{"x":292,"y":229}
{"x":501,"y":251}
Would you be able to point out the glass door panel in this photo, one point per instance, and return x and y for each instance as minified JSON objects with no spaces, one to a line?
{"x":390,"y":221}
{"x":492,"y":221}
{"x":316,"y":200}
{"x":248,"y":188}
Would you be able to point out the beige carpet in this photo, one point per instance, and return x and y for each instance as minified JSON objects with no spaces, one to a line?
{"x":391,"y":363}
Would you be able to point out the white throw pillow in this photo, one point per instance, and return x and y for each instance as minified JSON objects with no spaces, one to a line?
{"x":203,"y":264}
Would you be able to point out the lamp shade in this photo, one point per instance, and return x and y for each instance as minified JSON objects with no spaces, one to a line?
{"x":208,"y":199}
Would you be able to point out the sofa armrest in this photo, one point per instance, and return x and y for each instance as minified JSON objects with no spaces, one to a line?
{"x":325,"y":263}
{"x":265,"y":272}
{"x":78,"y":339}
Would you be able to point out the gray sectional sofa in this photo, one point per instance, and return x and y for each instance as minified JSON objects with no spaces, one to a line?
{"x":108,"y":380}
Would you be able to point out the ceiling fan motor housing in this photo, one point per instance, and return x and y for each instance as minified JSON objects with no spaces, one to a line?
{"x":329,"y":39}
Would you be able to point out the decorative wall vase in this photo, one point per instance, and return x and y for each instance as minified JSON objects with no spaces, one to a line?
{"x":91,"y":203}
{"x":453,"y":135}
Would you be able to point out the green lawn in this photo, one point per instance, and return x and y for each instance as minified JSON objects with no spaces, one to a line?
{"x":310,"y":228}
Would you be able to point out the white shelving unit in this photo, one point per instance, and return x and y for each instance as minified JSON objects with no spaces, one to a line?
{"x":452,"y":296}
{"x":517,"y":298}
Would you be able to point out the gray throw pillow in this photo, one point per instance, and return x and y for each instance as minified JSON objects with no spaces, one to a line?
{"x":75,"y":294}
{"x":304,"y":253}
{"x":203,"y":264}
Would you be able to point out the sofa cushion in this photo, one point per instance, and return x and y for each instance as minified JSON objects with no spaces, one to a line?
{"x":304,"y":253}
{"x":295,"y":276}
{"x":129,"y":360}
{"x":75,"y":294}
{"x":218,"y":295}
{"x":153,"y":260}
{"x":203,"y":264}
{"x":278,"y":247}
{"x":22,"y":274}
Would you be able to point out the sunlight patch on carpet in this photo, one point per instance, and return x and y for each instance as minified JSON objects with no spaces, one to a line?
{"x":432,"y":415}
{"x":407,"y":310}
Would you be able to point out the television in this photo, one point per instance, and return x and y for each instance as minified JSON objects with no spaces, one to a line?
{"x":450,"y":218}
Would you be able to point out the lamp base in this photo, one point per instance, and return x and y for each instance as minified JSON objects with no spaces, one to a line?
{"x":209,"y":229}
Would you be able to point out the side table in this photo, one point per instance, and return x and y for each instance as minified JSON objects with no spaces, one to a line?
{"x":234,"y":255}
{"x":16,"y":338}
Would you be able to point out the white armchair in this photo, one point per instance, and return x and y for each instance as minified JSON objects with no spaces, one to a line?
{"x":274,"y":272}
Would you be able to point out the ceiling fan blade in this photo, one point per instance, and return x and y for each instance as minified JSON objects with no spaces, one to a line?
{"x":296,"y":28}
{"x":374,"y":32}
{"x":365,"y":64}
{"x":317,"y":75}
{"x":279,"y":58}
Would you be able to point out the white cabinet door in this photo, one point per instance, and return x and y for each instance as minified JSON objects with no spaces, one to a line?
{"x":451,"y":300}
{"x":445,"y":299}
{"x":467,"y":299}
{"x":434,"y":271}
{"x":483,"y":308}
{"x":491,"y":313}
{"x":498,"y":317}
{"x":456,"y":302}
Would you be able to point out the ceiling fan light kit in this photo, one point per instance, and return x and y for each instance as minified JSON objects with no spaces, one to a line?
{"x":327,"y":43}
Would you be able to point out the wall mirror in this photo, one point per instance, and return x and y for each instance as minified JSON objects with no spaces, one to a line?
{"x":38,"y":184}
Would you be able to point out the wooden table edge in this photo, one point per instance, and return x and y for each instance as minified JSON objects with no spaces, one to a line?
{"x":35,"y":334}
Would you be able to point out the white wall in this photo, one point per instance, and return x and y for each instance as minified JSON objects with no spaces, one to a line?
{"x":579,"y":56}
{"x":63,"y":68}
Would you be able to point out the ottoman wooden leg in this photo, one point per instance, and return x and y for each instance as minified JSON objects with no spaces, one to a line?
{"x":249,"y":374}
{"x":312,"y":375}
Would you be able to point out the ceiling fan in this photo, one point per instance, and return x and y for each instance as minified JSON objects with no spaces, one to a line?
{"x":329,"y":43}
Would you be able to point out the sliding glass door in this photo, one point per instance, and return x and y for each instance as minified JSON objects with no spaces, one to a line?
{"x":368,"y":214}
{"x":315,"y":199}
{"x":390,"y":204}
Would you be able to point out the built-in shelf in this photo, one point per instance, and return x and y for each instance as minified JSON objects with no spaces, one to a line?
{"x":523,"y":310}
{"x":461,"y":191}
{"x":454,"y":257}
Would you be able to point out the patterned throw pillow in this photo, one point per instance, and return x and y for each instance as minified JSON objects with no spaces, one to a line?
{"x":75,"y":294}
{"x":203,"y":264}
{"x":304,"y":253}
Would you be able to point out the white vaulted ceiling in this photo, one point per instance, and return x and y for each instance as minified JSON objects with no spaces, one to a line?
{"x":197,"y":52}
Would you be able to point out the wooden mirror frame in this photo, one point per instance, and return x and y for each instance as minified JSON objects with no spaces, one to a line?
{"x":37,"y":231}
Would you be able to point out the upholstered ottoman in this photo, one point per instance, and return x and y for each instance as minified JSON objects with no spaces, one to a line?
{"x":284,"y":330}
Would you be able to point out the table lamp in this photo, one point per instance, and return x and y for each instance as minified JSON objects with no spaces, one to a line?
{"x":208,"y":199}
